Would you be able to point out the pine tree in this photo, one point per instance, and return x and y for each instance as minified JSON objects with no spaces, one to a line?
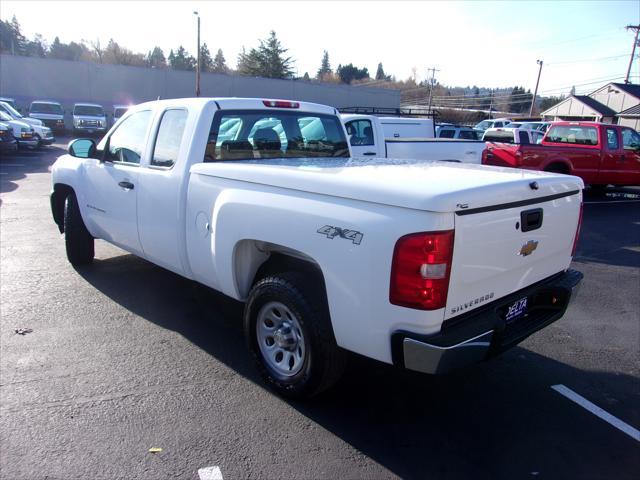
{"x":249,"y":63}
{"x":219,"y":63}
{"x":156,"y":59}
{"x":181,"y":60}
{"x":325,"y":66}
{"x":273,"y":62}
{"x":380,"y":73}
{"x":206,"y":62}
{"x":18,"y":44}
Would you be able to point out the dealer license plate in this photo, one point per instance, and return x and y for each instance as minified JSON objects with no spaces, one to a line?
{"x":516,"y":310}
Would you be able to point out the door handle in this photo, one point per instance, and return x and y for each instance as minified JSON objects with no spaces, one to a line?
{"x":127,"y":185}
{"x":369,"y":154}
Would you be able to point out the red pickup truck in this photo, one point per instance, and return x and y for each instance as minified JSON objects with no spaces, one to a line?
{"x":599,"y":153}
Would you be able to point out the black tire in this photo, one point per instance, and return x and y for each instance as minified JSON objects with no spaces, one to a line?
{"x":78,"y":241}
{"x":557,"y":168}
{"x":39,"y":145}
{"x":324,"y":361}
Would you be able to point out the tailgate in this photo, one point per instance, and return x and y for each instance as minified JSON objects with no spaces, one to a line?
{"x":495,"y":253}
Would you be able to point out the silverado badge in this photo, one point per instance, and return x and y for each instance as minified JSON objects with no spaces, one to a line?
{"x":528,"y":248}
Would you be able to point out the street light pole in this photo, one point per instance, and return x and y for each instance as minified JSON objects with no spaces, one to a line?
{"x":535,"y":92}
{"x":198,"y":59}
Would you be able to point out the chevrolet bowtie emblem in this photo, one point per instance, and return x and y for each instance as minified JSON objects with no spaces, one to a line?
{"x":528,"y":248}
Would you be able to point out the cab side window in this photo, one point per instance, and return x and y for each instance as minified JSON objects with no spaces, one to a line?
{"x":127,"y":142}
{"x":630,"y":139}
{"x":612,"y":139}
{"x":167,"y":146}
{"x":361,"y":132}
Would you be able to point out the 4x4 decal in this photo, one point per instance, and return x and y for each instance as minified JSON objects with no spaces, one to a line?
{"x":332,"y":232}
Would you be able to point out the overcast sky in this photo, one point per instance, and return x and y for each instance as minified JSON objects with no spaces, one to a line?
{"x":490,"y":44}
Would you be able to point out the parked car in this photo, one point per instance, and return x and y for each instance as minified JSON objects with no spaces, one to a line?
{"x":43,"y":134}
{"x":22,"y":132}
{"x":89,"y":118}
{"x":512,"y":135}
{"x":412,"y":263}
{"x":495,"y":123}
{"x":455,"y":131}
{"x":10,"y":101}
{"x":51,"y":114}
{"x":119,"y":111}
{"x":599,"y":153}
{"x":8,"y":143}
{"x":368,"y":139}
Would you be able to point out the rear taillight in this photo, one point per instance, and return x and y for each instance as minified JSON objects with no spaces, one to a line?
{"x":420,"y":270}
{"x":575,"y":240}
{"x":281,"y":104}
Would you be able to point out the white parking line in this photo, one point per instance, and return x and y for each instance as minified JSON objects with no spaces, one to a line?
{"x":597,"y":411}
{"x":210,"y":473}
{"x":612,"y":201}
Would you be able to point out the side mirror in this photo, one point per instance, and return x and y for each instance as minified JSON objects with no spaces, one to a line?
{"x":82,"y":148}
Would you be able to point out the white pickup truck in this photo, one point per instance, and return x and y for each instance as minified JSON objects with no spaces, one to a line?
{"x":370,"y":138}
{"x":430,"y":266}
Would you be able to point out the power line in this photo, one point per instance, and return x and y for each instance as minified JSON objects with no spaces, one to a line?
{"x":590,"y":60}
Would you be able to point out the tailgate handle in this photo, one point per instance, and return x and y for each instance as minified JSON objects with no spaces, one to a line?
{"x":531,"y":219}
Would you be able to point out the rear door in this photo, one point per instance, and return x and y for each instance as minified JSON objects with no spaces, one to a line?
{"x":111,"y":185}
{"x":162,"y":185}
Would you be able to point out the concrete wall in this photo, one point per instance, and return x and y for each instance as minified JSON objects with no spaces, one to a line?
{"x":27,"y":79}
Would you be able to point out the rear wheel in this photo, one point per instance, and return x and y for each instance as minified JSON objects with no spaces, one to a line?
{"x":557,"y":168}
{"x":289,"y":335}
{"x":78,"y":241}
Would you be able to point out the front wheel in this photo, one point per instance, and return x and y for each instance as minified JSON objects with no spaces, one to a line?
{"x":78,"y":241}
{"x":289,"y":335}
{"x":39,"y":145}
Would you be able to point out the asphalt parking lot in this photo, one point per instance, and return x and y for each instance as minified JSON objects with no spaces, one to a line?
{"x":124,"y":357}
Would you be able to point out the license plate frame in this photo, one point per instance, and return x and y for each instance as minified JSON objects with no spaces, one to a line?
{"x":516,"y":310}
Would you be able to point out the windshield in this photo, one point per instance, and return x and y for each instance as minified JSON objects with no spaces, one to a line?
{"x":258,"y":134}
{"x":118,"y":112}
{"x":12,"y":111}
{"x":53,"y":108}
{"x":4,"y":117}
{"x":484,"y":124}
{"x":88,"y":110}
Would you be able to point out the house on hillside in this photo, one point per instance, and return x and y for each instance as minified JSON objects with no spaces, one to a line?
{"x":613,"y":103}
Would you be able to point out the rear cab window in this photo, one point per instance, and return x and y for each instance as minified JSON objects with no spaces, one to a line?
{"x":447,"y":133}
{"x":573,"y":135}
{"x":260,"y":134}
{"x":361,"y":132}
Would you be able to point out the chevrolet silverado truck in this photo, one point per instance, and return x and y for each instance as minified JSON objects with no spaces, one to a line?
{"x":430,"y":266}
{"x":599,"y":153}
{"x":369,"y":137}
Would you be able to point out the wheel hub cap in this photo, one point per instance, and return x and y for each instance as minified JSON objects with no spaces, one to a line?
{"x":280,"y":339}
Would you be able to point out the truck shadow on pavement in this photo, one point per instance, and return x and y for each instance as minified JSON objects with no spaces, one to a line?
{"x":610,"y":230}
{"x":17,"y":165}
{"x":496,"y":420}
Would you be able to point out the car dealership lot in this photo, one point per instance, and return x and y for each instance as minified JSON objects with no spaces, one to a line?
{"x":125,"y":356}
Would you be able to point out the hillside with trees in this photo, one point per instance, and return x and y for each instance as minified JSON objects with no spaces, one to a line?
{"x":270,"y":59}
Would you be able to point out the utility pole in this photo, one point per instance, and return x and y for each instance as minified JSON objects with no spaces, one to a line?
{"x":432,"y":82}
{"x":198,"y":59}
{"x":633,"y":51}
{"x":535,"y":92}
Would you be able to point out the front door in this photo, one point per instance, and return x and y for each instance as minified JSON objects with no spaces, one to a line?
{"x":631,"y":145}
{"x":111,"y":184}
